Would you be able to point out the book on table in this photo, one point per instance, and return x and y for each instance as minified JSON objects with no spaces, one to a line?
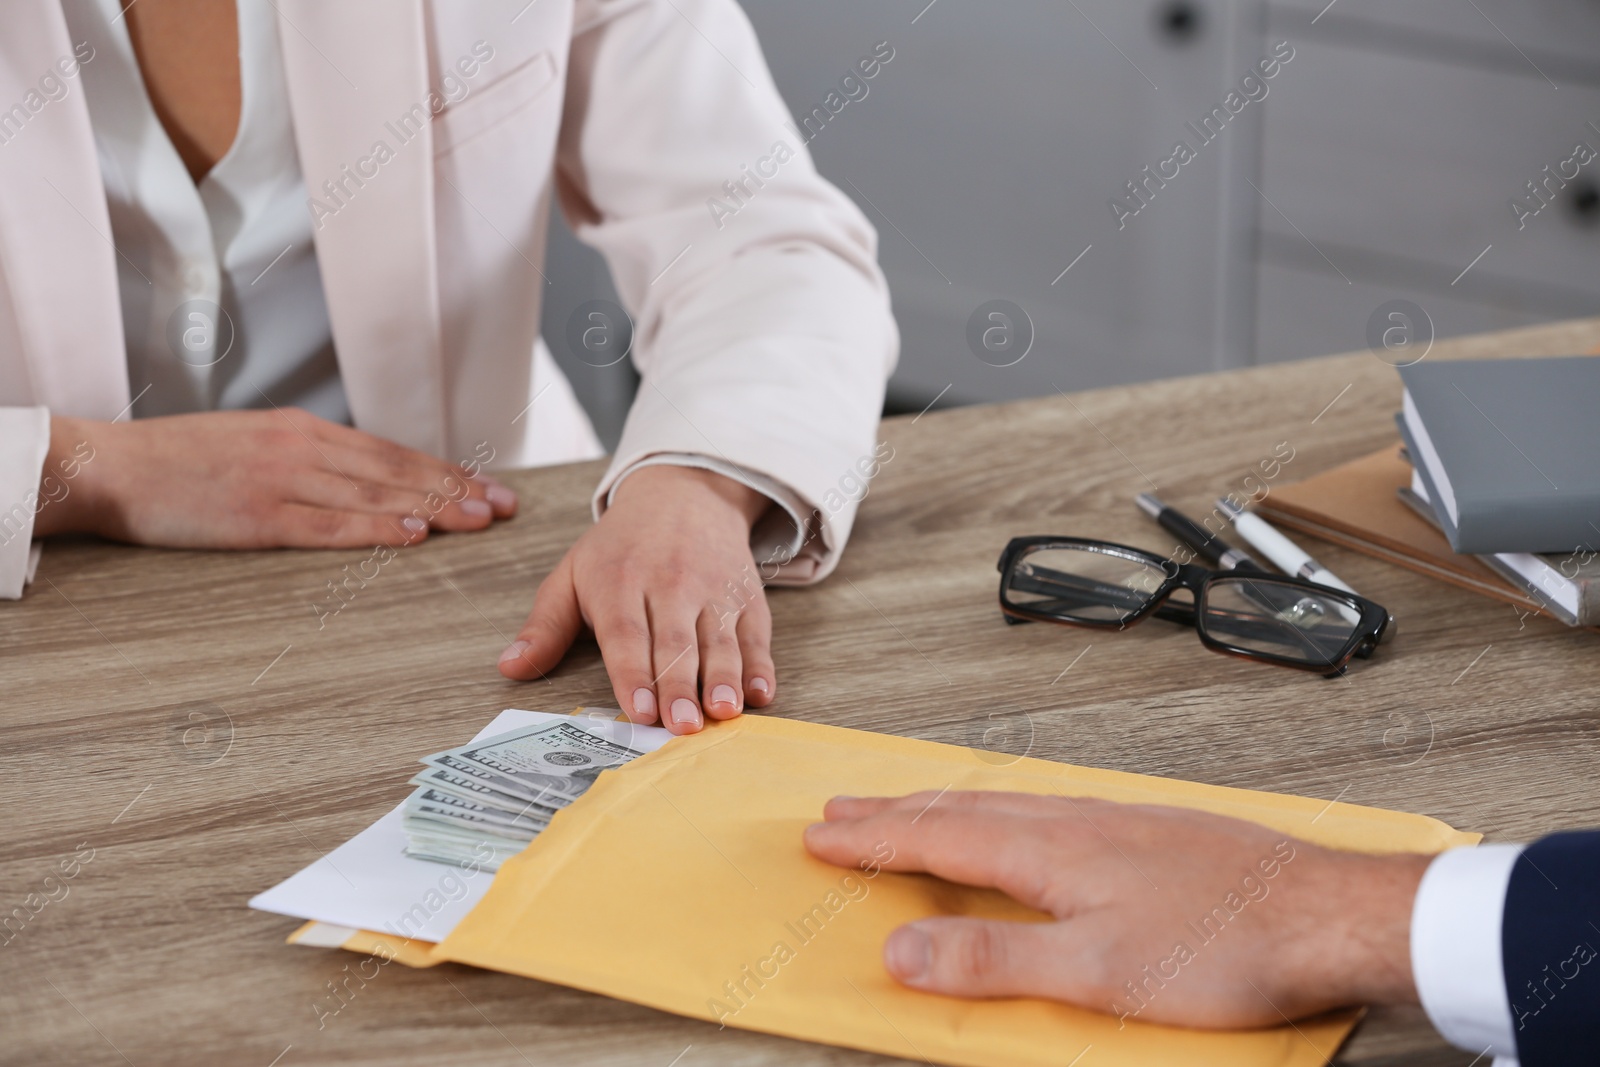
{"x":1506,"y":451}
{"x":1361,"y":505}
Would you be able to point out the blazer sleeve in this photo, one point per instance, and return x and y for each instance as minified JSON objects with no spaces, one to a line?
{"x":24,"y":443}
{"x":1550,"y":944}
{"x":762,"y":328}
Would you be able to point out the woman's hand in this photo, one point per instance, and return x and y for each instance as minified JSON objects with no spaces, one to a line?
{"x":1162,"y":914}
{"x":667,"y":583}
{"x":253,"y":479}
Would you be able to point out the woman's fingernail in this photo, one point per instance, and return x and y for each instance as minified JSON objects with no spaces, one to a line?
{"x":644,"y":704}
{"x":724,"y":694}
{"x":514,"y":651}
{"x":908,"y":954}
{"x":414,"y":525}
{"x":759,"y":685}
{"x":683,"y":710}
{"x":500,"y":496}
{"x":478,"y":509}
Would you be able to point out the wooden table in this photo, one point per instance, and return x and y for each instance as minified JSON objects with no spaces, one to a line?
{"x":182,"y":715}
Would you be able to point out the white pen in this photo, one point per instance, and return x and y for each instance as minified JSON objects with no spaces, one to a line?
{"x":1287,"y":556}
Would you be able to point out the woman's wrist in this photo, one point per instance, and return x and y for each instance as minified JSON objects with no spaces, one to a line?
{"x":68,"y":489}
{"x":664,"y":484}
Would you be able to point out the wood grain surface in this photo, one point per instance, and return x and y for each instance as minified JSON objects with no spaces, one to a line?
{"x":183,"y":716}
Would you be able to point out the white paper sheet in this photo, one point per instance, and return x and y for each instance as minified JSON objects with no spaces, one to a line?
{"x":369,"y":883}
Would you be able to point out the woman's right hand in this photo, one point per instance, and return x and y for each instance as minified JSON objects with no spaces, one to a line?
{"x":253,"y":479}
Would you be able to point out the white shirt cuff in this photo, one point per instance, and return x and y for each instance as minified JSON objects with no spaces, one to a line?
{"x":777,"y":536}
{"x":1455,"y":949}
{"x":24,"y":444}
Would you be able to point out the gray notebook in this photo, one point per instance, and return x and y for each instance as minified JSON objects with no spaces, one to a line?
{"x":1509,"y":451}
{"x":1567,"y":585}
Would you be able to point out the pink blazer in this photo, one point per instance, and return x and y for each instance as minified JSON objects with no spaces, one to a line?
{"x":762,"y":324}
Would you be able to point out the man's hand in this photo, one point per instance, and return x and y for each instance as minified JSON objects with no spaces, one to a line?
{"x":253,"y":479}
{"x":667,"y":583}
{"x":1162,"y":914}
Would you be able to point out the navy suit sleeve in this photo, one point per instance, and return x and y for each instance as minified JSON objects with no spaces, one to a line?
{"x":1549,"y":941}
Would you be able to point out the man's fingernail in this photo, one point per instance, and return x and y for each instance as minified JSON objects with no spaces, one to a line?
{"x":759,"y":685}
{"x":683,"y":710}
{"x":499,"y":495}
{"x":724,"y":694}
{"x":414,"y":525}
{"x":514,"y":650}
{"x":478,"y":509}
{"x":908,"y":954}
{"x":644,"y":704}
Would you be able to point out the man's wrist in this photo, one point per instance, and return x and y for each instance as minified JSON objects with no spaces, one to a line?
{"x":1383,"y":928}
{"x":1361,"y":949}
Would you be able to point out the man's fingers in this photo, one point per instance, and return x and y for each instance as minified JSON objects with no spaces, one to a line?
{"x":978,"y":799}
{"x":623,"y":634}
{"x":754,"y":630}
{"x":994,"y":849}
{"x":675,"y":655}
{"x":721,"y":677}
{"x":551,"y":628}
{"x":986,"y":958}
{"x":840,"y":808}
{"x":958,"y":845}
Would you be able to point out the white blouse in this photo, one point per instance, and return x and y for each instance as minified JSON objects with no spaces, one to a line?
{"x":222,"y":301}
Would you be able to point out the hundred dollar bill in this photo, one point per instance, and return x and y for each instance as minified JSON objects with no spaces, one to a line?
{"x":543,"y":796}
{"x":422,"y":825}
{"x":482,"y":803}
{"x":551,"y":762}
{"x":481,"y":853}
{"x":424,"y":822}
{"x":431,"y":801}
{"x":464,"y":860}
{"x":478,"y":791}
{"x":499,"y":783}
{"x":459,"y":834}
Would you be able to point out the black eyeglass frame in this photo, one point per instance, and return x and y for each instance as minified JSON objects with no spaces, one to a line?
{"x":1365,"y":637}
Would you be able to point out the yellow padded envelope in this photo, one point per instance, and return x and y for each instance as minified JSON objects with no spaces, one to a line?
{"x":680,"y":882}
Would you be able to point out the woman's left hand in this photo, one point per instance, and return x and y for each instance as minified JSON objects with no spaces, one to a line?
{"x":667,"y":582}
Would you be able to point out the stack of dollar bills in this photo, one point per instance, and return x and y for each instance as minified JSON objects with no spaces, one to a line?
{"x":482,"y":803}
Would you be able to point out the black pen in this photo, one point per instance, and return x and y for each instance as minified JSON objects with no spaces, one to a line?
{"x":1206,"y":544}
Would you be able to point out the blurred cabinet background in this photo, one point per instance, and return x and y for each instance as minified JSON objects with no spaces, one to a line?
{"x":1381,"y":164}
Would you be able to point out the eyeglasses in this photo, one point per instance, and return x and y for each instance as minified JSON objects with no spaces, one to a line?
{"x":1286,"y":621}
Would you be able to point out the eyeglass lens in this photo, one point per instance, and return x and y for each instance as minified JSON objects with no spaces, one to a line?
{"x":1081,"y":584}
{"x":1261,"y":615}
